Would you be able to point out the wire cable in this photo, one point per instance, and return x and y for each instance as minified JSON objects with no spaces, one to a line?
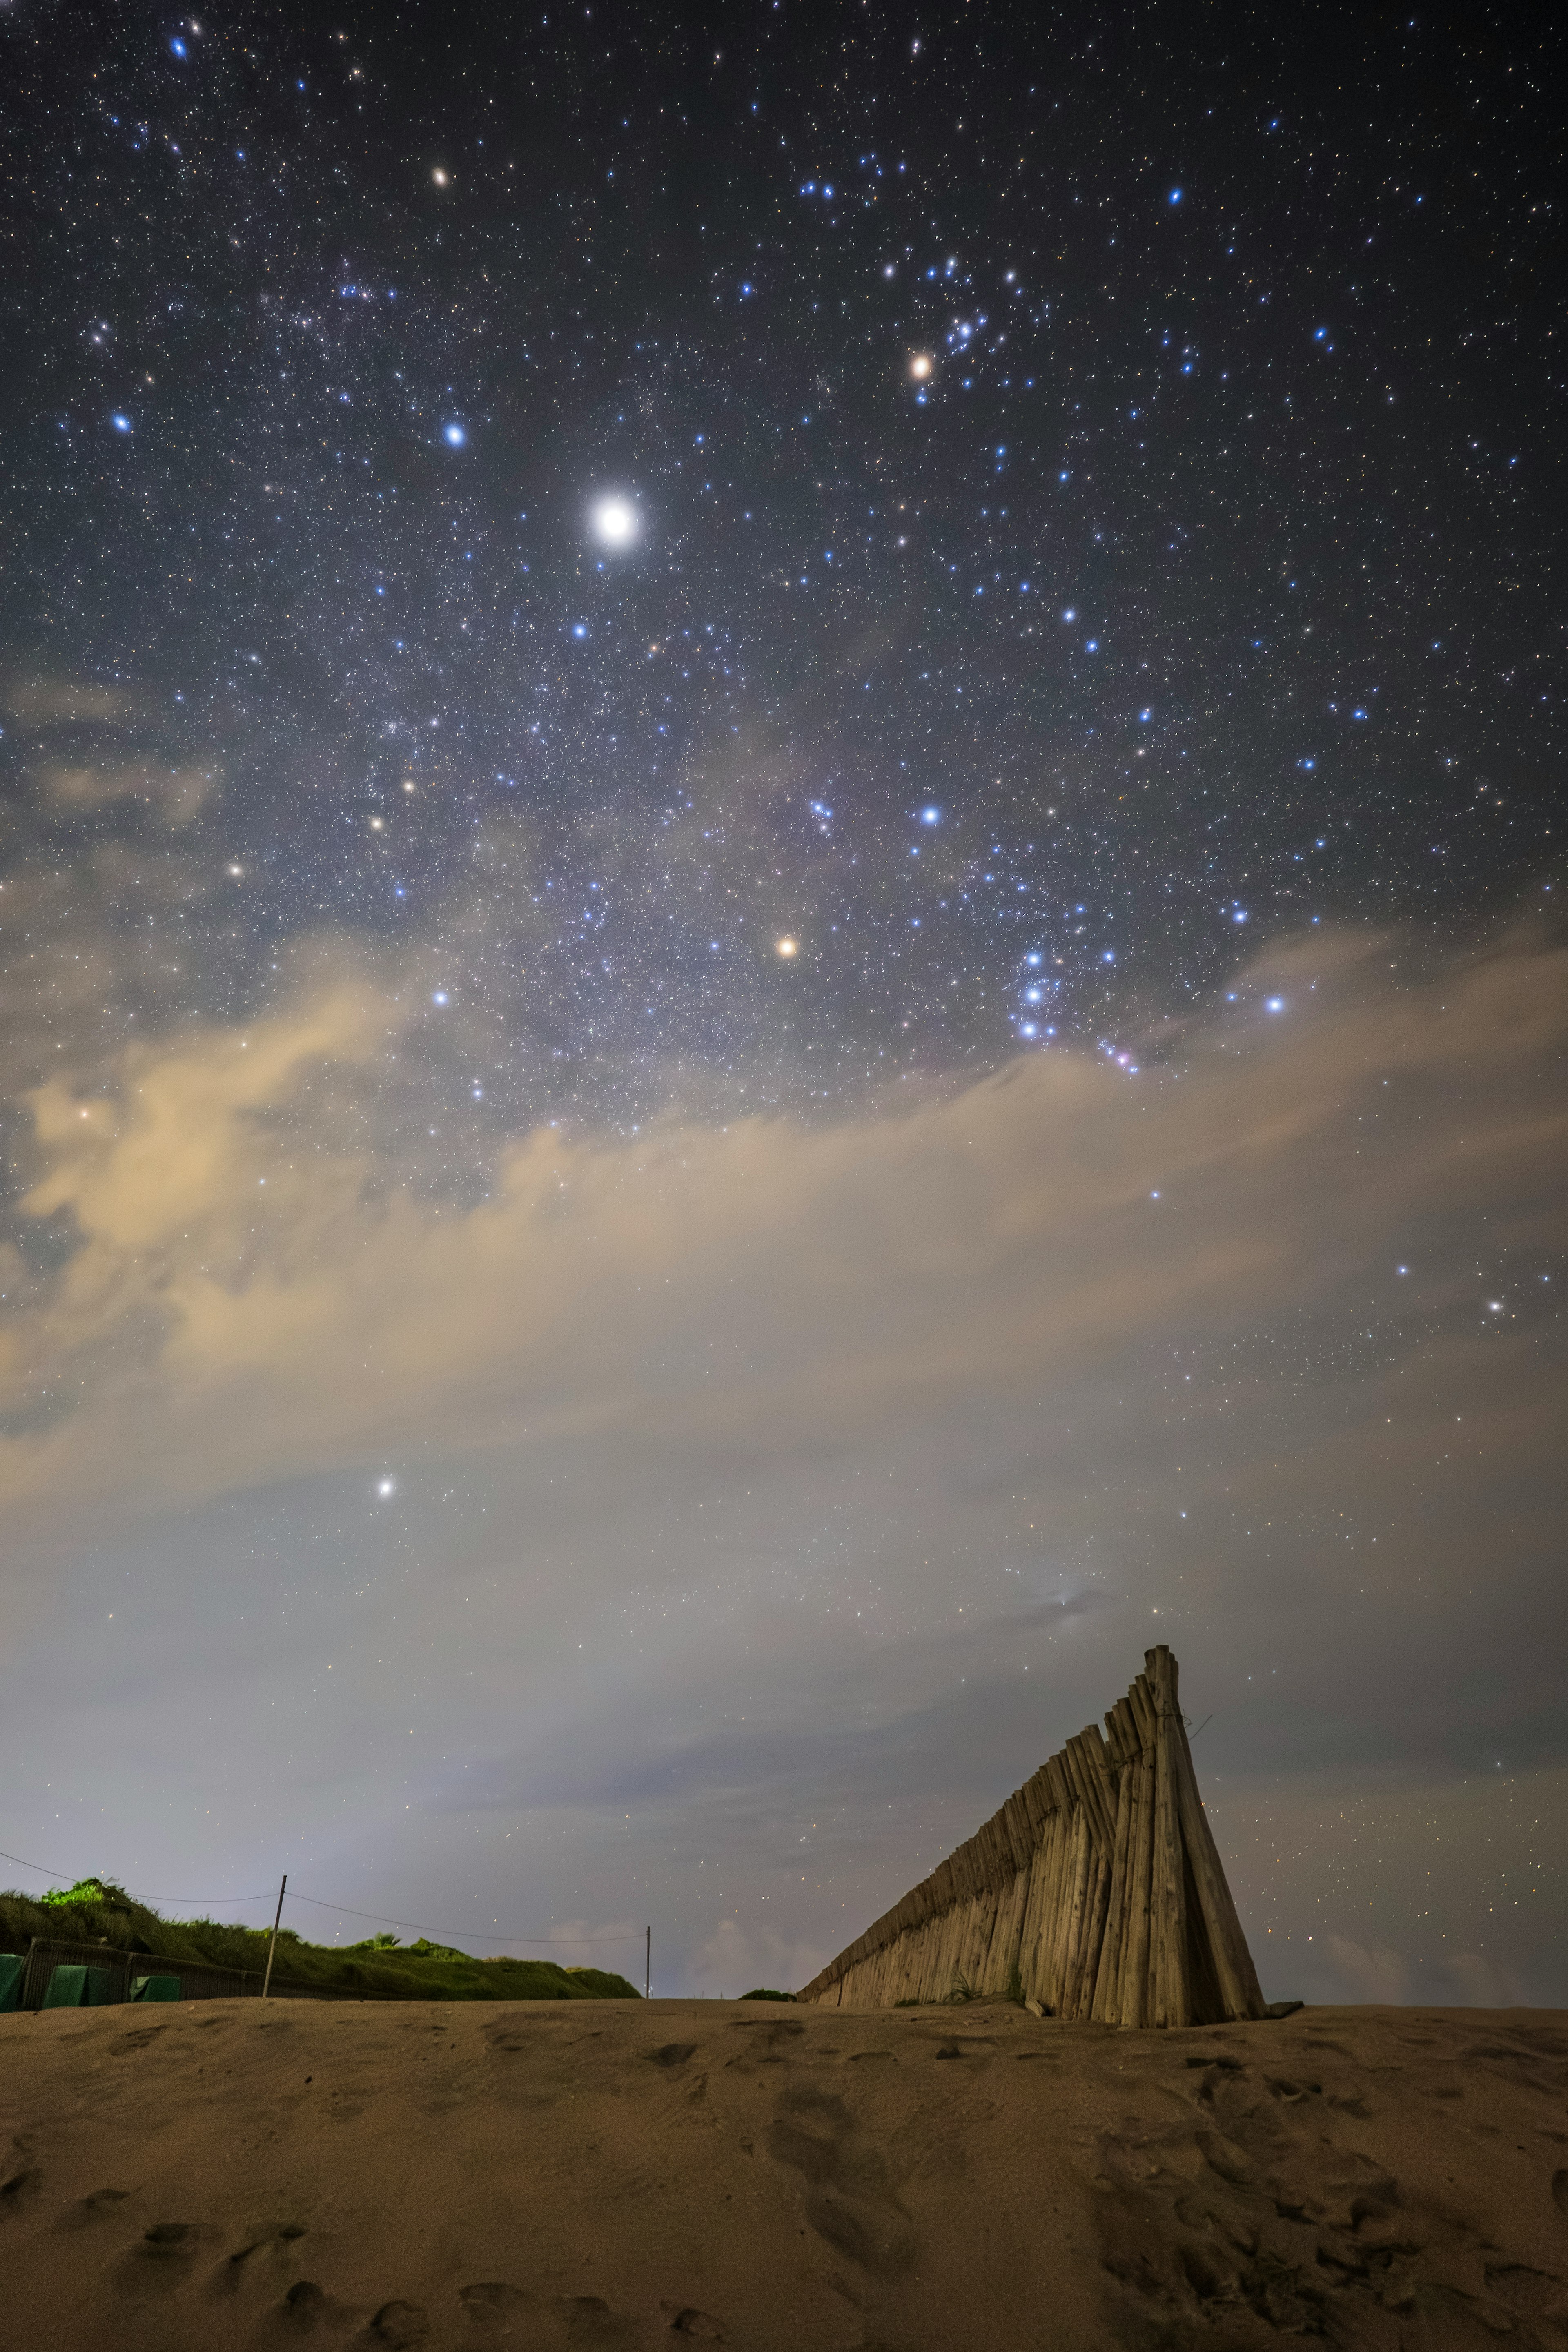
{"x":65,"y":1879}
{"x":60,"y":1875}
{"x":476,"y":1935}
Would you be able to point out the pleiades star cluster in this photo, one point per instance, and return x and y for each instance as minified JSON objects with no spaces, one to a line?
{"x":769,"y":552}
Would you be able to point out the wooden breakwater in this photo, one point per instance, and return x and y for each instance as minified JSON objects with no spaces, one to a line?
{"x":1096,"y":1890}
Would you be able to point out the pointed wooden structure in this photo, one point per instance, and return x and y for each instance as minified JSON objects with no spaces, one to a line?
{"x":1097,"y":1890}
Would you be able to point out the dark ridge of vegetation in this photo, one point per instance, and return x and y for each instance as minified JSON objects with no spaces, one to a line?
{"x":97,"y":1911}
{"x":766,"y":1993}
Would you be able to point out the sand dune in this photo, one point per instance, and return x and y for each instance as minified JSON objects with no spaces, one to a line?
{"x":622,"y":2176}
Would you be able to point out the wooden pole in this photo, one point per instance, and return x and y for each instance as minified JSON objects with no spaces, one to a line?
{"x":1135,"y":2002}
{"x":1171,"y":1983}
{"x":1108,"y":1975}
{"x":266,"y":1980}
{"x":648,"y":1962}
{"x":1237,"y":1977}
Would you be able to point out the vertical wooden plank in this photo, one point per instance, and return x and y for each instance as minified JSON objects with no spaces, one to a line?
{"x":1036,"y":1929}
{"x":1058,"y":1903}
{"x":939,"y":1976}
{"x":1133,"y":2002}
{"x":1093,"y":1937}
{"x":1107,"y":1980}
{"x":930,"y":1937}
{"x":1017,"y":1837}
{"x":1232,"y":1960}
{"x":1090,"y":1750}
{"x":1070,"y":1922}
{"x":977,"y":1938}
{"x":985,"y":1935}
{"x":1172,"y":1985}
{"x":1141,"y":1699}
{"x":1031,"y":1942}
{"x":1004,"y":1957}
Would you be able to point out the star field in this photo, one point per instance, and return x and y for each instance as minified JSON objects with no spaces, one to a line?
{"x":1080,"y":506}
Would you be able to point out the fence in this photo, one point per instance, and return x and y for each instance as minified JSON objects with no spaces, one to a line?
{"x":1097,"y":1890}
{"x":198,"y":1980}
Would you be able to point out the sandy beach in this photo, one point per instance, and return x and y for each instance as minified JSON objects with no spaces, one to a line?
{"x":620,"y":2175}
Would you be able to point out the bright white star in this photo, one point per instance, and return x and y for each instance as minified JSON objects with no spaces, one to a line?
{"x":615,"y":521}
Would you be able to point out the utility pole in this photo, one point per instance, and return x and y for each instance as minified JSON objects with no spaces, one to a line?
{"x":648,"y":1962}
{"x":272,"y":1947}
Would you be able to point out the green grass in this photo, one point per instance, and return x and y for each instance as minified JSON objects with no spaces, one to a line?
{"x":97,"y":1911}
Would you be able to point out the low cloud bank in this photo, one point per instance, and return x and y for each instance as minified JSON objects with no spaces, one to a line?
{"x":768,"y":1449}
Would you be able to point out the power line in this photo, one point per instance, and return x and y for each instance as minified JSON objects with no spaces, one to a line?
{"x":476,"y":1935}
{"x":65,"y":1878}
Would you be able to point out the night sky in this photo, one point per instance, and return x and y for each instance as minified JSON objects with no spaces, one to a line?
{"x":778,"y":955}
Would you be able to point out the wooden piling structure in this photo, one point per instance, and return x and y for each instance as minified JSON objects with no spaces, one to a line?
{"x":1097,"y":1890}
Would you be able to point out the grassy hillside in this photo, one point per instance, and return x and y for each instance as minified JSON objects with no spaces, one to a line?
{"x":97,"y":1911}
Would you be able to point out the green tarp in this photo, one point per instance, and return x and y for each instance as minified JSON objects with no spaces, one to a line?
{"x":155,"y":1989}
{"x":66,"y":1988}
{"x":82,"y":1988}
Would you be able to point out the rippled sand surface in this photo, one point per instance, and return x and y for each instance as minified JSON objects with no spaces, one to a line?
{"x":627,"y":2175}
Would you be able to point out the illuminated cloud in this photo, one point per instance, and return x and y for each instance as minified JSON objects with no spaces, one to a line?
{"x":1007,"y":1379}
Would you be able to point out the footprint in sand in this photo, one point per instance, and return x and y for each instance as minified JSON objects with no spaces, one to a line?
{"x":167,"y":2239}
{"x":673,"y":2053}
{"x":591,"y":2325}
{"x":400,"y":2324}
{"x":493,"y":2304}
{"x":262,"y":2235}
{"x":101,"y":2205}
{"x":685,"y":2320}
{"x":851,"y":2201}
{"x":138,"y":2040}
{"x":162,"y":2258}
